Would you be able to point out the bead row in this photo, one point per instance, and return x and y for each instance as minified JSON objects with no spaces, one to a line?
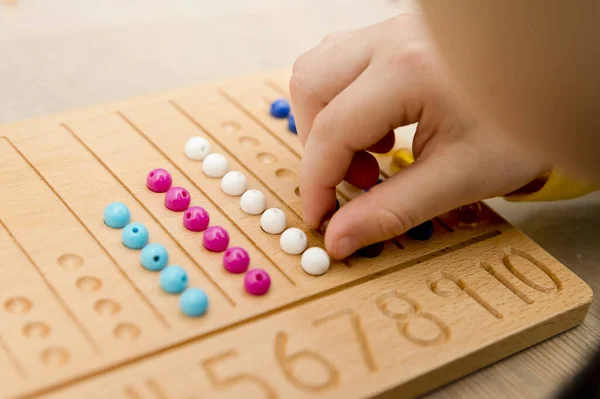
{"x":214,"y":238}
{"x":314,"y":261}
{"x":154,"y":257}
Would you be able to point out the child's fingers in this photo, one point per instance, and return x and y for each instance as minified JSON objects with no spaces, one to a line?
{"x":321,"y":74}
{"x":356,"y":119}
{"x":384,"y":145}
{"x":419,"y":193}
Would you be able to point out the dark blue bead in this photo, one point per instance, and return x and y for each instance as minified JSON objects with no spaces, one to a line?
{"x":371,"y":251}
{"x":280,"y":108}
{"x":422,"y":232}
{"x":292,"y":124}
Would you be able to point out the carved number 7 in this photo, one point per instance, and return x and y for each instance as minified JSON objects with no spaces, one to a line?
{"x":359,"y":332}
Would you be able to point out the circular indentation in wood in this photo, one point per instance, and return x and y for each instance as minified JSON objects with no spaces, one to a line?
{"x":17,"y":305}
{"x":88,"y":283}
{"x":36,"y":329}
{"x":230,"y":126}
{"x":248,"y":141}
{"x":297,"y":191}
{"x":70,"y":261}
{"x":107,"y":307}
{"x":55,"y":356}
{"x":266,"y":157}
{"x":285,"y":174}
{"x":127,"y":331}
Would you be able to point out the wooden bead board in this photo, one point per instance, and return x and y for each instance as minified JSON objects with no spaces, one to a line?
{"x":79,"y":316}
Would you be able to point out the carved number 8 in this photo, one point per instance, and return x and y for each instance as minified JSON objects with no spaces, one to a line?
{"x":404,"y":319}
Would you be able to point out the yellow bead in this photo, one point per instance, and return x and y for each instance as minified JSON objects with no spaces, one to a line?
{"x":401,"y":159}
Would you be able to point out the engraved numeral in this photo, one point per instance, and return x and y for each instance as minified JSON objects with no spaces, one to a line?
{"x":222,"y":382}
{"x":406,"y":318}
{"x":509,"y":265}
{"x":505,"y":282}
{"x":461,"y":285}
{"x":359,"y":333}
{"x":557,"y":285}
{"x":286,"y":363}
{"x":154,"y":388}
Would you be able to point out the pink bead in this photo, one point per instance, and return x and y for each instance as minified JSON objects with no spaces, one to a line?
{"x":215,"y":239}
{"x":177,"y":199}
{"x":196,"y":219}
{"x":257,"y":282}
{"x":159,"y":180}
{"x":236,"y":260}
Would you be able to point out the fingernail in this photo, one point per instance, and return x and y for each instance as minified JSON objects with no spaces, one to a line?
{"x":346,"y":246}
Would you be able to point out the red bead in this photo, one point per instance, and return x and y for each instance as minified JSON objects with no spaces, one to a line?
{"x":177,"y":199}
{"x":159,"y":180}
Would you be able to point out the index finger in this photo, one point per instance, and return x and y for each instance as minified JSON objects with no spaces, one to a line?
{"x":321,"y":74}
{"x":357,"y":118}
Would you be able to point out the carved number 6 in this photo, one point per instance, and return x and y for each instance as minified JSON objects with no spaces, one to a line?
{"x":404,"y":319}
{"x":286,"y":363}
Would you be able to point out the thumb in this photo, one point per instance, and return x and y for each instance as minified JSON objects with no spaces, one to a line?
{"x":421,"y":192}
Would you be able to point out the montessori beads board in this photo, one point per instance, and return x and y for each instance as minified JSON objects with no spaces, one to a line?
{"x":80,"y":317}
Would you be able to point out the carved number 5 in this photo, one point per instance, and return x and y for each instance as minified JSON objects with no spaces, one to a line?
{"x":227,"y":382}
{"x":286,"y":363}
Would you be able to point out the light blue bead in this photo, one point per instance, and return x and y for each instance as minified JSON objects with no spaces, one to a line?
{"x":116,"y":215}
{"x":154,"y":257}
{"x":173,"y":279}
{"x":135,"y":236}
{"x":193,"y":302}
{"x":292,"y":124}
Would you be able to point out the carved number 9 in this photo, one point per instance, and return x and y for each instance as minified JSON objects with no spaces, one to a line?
{"x":404,"y":319}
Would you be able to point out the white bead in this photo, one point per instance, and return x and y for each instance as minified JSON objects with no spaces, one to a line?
{"x":234,"y":183}
{"x":315,"y":261}
{"x":197,"y":148}
{"x":273,"y":221}
{"x":293,"y":241}
{"x":253,"y":202}
{"x":215,"y":165}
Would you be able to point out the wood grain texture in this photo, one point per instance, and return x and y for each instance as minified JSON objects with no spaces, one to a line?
{"x":79,"y":317}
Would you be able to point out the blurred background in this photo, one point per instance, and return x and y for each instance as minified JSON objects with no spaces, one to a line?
{"x":64,"y":54}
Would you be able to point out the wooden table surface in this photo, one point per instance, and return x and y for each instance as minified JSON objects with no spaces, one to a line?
{"x":68,"y":54}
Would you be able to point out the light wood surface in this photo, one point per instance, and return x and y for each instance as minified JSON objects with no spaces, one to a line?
{"x":70,"y":54}
{"x":84,"y":319}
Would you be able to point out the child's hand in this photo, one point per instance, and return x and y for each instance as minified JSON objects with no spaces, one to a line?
{"x":349,"y":93}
